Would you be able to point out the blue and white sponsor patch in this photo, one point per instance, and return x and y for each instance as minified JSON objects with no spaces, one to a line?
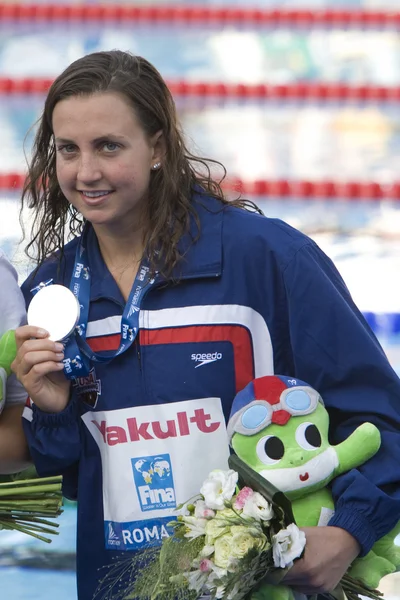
{"x":154,"y":458}
{"x":137,"y":535}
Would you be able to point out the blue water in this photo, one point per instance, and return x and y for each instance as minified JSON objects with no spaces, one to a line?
{"x":40,"y":584}
{"x":23,"y":584}
{"x":64,"y":542}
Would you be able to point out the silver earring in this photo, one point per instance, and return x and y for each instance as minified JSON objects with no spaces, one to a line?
{"x":156,"y":166}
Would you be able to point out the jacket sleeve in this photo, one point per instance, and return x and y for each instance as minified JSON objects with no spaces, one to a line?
{"x":54,"y":439}
{"x":334,"y":350}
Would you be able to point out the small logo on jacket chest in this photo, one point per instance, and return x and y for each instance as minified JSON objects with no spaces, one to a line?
{"x":88,"y":389}
{"x":205,"y":358}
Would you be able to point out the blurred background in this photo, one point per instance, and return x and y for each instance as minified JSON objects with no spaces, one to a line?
{"x":299,"y":99}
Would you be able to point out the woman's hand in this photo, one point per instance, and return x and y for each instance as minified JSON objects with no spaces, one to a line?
{"x":328,"y":554}
{"x":39,"y":367}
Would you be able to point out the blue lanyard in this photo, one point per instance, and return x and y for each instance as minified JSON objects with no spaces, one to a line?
{"x":77,"y":352}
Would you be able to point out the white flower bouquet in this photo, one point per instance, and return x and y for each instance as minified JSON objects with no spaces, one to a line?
{"x":236,"y":540}
{"x":240,"y":540}
{"x":229,"y":540}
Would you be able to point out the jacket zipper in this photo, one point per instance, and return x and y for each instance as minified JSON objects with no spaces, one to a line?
{"x":138,"y":352}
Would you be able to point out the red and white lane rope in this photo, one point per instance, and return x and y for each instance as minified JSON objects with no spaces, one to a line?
{"x":304,"y":91}
{"x":200,"y":15}
{"x":282,"y":188}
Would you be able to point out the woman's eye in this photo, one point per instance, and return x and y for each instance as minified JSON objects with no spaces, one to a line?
{"x":308,"y":436}
{"x":270,"y":450}
{"x":67,"y":149}
{"x":110,"y":147}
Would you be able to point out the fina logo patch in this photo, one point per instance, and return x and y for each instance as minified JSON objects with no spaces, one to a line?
{"x":154,"y":482}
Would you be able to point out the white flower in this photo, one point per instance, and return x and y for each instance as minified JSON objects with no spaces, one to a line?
{"x":217,"y":573}
{"x":219,"y":488}
{"x":220,"y":592}
{"x":234,"y":545}
{"x":214,"y":529}
{"x":201,"y":510}
{"x":225,"y":515}
{"x":194,"y":527}
{"x":258,"y":507}
{"x":223,"y":552}
{"x":244,"y":539}
{"x":214,"y":579}
{"x":206,"y":551}
{"x":287,"y":545}
{"x":196,"y":579}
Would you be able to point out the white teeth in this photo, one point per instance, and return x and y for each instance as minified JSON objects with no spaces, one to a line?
{"x":94,"y":194}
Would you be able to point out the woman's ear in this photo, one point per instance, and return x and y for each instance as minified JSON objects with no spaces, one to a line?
{"x":159,"y":147}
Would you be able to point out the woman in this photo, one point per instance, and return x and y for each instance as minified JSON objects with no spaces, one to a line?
{"x":14,"y":454}
{"x":184,"y":299}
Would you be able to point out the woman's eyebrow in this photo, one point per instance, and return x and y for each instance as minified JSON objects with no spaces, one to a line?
{"x":107,"y":136}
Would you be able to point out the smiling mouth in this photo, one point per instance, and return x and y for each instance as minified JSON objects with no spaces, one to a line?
{"x":94,"y":195}
{"x":304,"y":477}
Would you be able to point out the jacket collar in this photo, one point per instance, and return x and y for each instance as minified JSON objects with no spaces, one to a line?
{"x":201,"y":258}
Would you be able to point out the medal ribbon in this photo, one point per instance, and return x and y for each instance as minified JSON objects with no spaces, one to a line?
{"x":77,"y":353}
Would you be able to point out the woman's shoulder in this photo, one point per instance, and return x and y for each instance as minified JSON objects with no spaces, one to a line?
{"x":247,"y":234}
{"x":256,"y":233}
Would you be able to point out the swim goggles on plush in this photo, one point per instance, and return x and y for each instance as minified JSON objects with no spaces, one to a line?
{"x":258,"y":414}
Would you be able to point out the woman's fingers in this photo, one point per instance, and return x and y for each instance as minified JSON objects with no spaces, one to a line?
{"x":35,"y":351}
{"x":32,"y":346}
{"x":31,"y":360}
{"x":27,"y":332}
{"x":42,"y":369}
{"x":39,"y":367}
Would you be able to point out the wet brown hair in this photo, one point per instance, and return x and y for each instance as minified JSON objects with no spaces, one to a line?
{"x":170,"y":193}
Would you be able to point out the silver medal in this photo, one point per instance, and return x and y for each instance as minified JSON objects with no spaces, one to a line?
{"x":55,"y":309}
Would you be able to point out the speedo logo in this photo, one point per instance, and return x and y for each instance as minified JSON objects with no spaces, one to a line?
{"x":205,"y":359}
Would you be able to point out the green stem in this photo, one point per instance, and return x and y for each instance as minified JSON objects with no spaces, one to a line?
{"x":22,"y":482}
{"x":40,"y":521}
{"x":351,"y":585}
{"x":28,"y":532}
{"x":27,"y":502}
{"x":37,"y":489}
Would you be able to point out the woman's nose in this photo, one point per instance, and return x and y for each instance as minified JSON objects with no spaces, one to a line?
{"x":88,"y":169}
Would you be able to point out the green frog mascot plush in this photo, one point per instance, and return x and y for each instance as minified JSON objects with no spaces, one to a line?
{"x":8,"y":350}
{"x":279,"y":427}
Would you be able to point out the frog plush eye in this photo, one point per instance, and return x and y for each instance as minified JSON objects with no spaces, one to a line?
{"x":308,"y":436}
{"x":270,"y":449}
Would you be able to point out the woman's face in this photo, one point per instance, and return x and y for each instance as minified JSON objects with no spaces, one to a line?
{"x":104,"y":158}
